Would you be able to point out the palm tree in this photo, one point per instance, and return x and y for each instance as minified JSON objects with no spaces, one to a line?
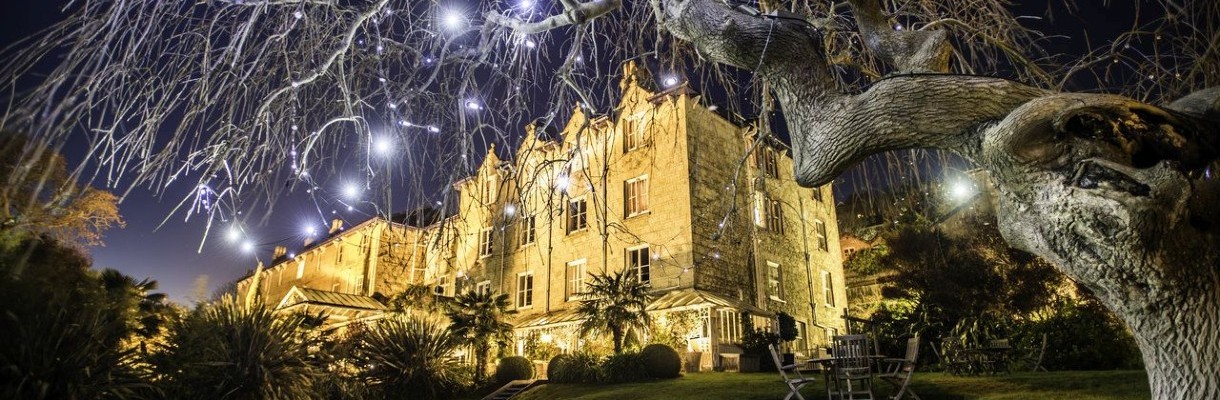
{"x":411,"y":354}
{"x":615,"y":303}
{"x":478,"y":319}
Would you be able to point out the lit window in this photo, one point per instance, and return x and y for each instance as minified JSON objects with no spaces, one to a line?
{"x":760,"y":209}
{"x":828,"y":289}
{"x":527,"y":230}
{"x":775,"y":280}
{"x":525,"y":289}
{"x":576,"y":279}
{"x":639,"y":263}
{"x":486,"y":243}
{"x":578,"y":217}
{"x":819,"y":232}
{"x":636,"y":195}
{"x":775,"y":216}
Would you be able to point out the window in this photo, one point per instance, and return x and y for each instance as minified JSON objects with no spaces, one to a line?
{"x":486,"y":243}
{"x":525,"y":289}
{"x":635,"y":193}
{"x":802,"y":336}
{"x":730,"y":326}
{"x":819,"y":232}
{"x":578,"y":217}
{"x":767,"y":161}
{"x":775,"y":216}
{"x":828,"y":289}
{"x":442,"y":286}
{"x":638,"y":263}
{"x":528,"y":235}
{"x":817,"y":194}
{"x":760,"y":209}
{"x":490,"y":188}
{"x":339,"y":256}
{"x":830,"y":334}
{"x":633,"y":136}
{"x":483,"y":287}
{"x":300,"y":269}
{"x":775,"y":281}
{"x":576,"y":279}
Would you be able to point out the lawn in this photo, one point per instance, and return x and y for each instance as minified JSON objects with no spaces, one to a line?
{"x":1075,"y":385}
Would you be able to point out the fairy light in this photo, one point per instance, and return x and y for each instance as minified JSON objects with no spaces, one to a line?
{"x":561,"y":183}
{"x":383,"y":146}
{"x":473,"y":105}
{"x":671,"y":81}
{"x":510,"y":209}
{"x":247,"y":246}
{"x":234,"y":234}
{"x":453,"y":20}
{"x":351,"y":191}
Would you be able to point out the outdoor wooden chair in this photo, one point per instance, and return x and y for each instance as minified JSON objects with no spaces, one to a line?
{"x":1036,"y":360}
{"x":851,"y":374}
{"x":791,"y":374}
{"x":954,"y":359}
{"x":898,"y":371}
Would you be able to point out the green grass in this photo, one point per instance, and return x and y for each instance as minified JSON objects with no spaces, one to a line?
{"x":1075,"y":385}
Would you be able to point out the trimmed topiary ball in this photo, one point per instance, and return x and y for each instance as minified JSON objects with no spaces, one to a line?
{"x":661,"y":361}
{"x":556,"y":370}
{"x":514,"y":368}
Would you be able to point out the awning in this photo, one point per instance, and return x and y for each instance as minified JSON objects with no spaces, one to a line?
{"x":695,"y":298}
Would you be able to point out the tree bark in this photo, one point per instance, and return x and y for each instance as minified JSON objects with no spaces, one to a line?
{"x":1114,"y":192}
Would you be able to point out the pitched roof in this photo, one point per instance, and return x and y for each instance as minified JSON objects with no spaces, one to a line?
{"x":299,"y":295}
{"x":694,"y":297}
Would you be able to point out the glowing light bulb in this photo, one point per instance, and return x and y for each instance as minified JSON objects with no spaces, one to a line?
{"x":351,"y":191}
{"x":311,"y":230}
{"x":247,"y":246}
{"x":670,"y":81}
{"x":961,"y":190}
{"x":453,"y":20}
{"x":233,"y":234}
{"x":529,"y":44}
{"x":433,"y":129}
{"x":383,"y":146}
{"x":527,"y":4}
{"x":561,"y":183}
{"x":509,"y":210}
{"x":473,"y":105}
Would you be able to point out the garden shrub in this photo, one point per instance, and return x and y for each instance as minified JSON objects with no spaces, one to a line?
{"x":626,"y":367}
{"x":514,"y":368}
{"x":556,"y":368}
{"x":661,"y":361}
{"x":574,"y":368}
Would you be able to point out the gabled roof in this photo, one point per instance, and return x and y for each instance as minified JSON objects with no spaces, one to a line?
{"x":299,"y":295}
{"x":693,"y":298}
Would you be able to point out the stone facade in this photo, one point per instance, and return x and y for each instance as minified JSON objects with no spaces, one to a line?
{"x":665,"y":189}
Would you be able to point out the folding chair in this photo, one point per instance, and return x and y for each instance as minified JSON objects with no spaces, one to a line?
{"x":790,"y":373}
{"x":898,"y":371}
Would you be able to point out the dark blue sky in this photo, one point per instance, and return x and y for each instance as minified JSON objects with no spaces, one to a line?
{"x":170,"y":253}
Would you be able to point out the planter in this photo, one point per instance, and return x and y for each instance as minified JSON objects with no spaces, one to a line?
{"x":749,"y":363}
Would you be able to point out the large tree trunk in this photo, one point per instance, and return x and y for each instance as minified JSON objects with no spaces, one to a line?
{"x":1112,"y":191}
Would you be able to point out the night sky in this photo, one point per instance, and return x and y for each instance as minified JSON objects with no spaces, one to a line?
{"x":170,"y":254}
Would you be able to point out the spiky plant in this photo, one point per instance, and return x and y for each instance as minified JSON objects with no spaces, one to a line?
{"x":224,"y":350}
{"x":411,"y":356}
{"x":478,"y":318}
{"x":615,"y":304}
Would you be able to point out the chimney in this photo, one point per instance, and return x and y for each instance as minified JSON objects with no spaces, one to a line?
{"x":308,"y":241}
{"x":280,"y":252}
{"x":336,"y":225}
